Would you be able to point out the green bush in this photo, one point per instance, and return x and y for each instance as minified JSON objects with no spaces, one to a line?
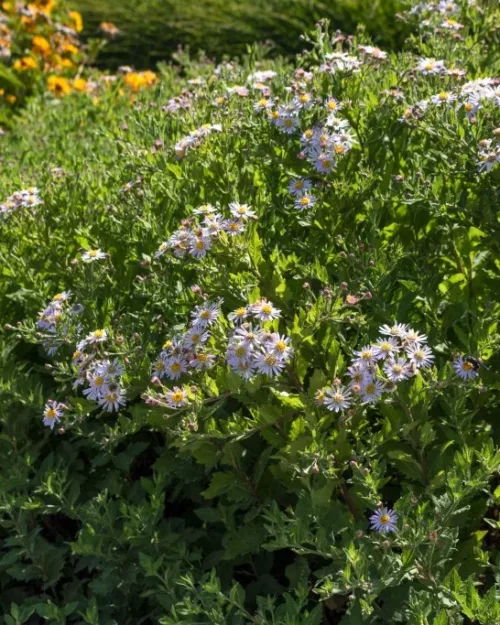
{"x":153,"y":29}
{"x":250,"y":502}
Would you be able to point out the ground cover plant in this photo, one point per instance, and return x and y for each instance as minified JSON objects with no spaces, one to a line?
{"x":249,"y":367}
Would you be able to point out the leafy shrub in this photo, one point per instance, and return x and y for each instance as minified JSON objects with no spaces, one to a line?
{"x":152,"y":30}
{"x":286,"y":497}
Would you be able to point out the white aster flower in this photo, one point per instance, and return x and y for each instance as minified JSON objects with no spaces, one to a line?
{"x":241,"y":211}
{"x":420,"y":355}
{"x":337,"y":398}
{"x":397,"y":369}
{"x":91,"y":255}
{"x":265,"y":311}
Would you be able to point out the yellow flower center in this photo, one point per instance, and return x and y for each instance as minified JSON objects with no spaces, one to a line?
{"x":177,"y":397}
{"x":370,"y":388}
{"x":467,"y":366}
{"x":240,"y":351}
{"x":305,"y":201}
{"x":98,"y":381}
{"x":384,"y":519}
{"x":267,"y":309}
{"x":332,"y":105}
{"x":270,"y":360}
{"x":51,"y":413}
{"x":280,"y":346}
{"x":175,"y":366}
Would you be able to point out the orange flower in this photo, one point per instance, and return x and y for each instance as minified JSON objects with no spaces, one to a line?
{"x":138,"y":80}
{"x":67,"y":63}
{"x":41,"y":45}
{"x":28,"y":22}
{"x":25,"y":64}
{"x":76,"y":21}
{"x":58,"y":85}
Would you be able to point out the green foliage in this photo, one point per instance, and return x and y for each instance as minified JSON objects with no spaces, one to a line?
{"x":251,"y":503}
{"x":153,"y":29}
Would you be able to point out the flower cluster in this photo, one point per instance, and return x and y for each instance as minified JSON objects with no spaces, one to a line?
{"x":30,"y":198}
{"x":489,"y":155}
{"x":188,"y":351}
{"x":99,"y":372}
{"x":57,"y":320}
{"x":396,"y":356}
{"x":194,"y":139}
{"x":197,"y":237}
{"x":139,"y":80}
{"x":252,"y":349}
{"x":48,"y":38}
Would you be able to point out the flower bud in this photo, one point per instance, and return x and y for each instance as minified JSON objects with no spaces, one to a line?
{"x":306,"y":286}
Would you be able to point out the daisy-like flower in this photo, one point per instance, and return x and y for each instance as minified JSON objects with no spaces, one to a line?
{"x":176,"y":398}
{"x":365,"y":356}
{"x":443,"y":97}
{"x":245,"y":369}
{"x":97,"y":387}
{"x":246,"y":335}
{"x":451,"y":25}
{"x":200,"y":246}
{"x":384,"y":521}
{"x":175,"y":367}
{"x":303,"y":101}
{"x":420,"y":355}
{"x":280,"y":346}
{"x":324,"y":163}
{"x":398,"y":330}
{"x":195,"y":337}
{"x":299,"y":186}
{"x":464,"y":368}
{"x":204,"y":209}
{"x":265,"y":311}
{"x":414,"y":337}
{"x":91,"y":255}
{"x":112,"y":400}
{"x":287,"y":123}
{"x":97,"y":336}
{"x":371,"y":391}
{"x":202,"y":361}
{"x":234,"y":227}
{"x":268,"y":363}
{"x":304,"y":202}
{"x":238,"y":315}
{"x":397,"y":370}
{"x":332,"y":105}
{"x":263,"y":104}
{"x":52,"y":413}
{"x":430,"y":66}
{"x":358,"y":374}
{"x":159,"y":369}
{"x":386,"y":348}
{"x":337,"y":398}
{"x":241,"y":211}
{"x":238,"y":352}
{"x":205,"y":315}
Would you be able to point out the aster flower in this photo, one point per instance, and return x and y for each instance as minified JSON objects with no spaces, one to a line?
{"x":443,"y":97}
{"x":97,"y":387}
{"x":268,"y":363}
{"x":205,"y":315}
{"x":384,"y":521}
{"x":265,"y":311}
{"x":52,"y":413}
{"x":200,"y":246}
{"x":337,"y":398}
{"x":319,"y":397}
{"x":464,"y":368}
{"x":91,"y":255}
{"x":414,"y":337}
{"x":238,"y":315}
{"x":175,"y":367}
{"x":176,"y":398}
{"x":112,"y":400}
{"x":358,"y":373}
{"x":304,"y":202}
{"x":299,"y":186}
{"x":398,"y":330}
{"x":365,"y":356}
{"x":280,"y":346}
{"x":201,"y":361}
{"x":397,"y":370}
{"x":419,"y":355}
{"x":386,"y":348}
{"x":372,"y":391}
{"x":241,"y":211}
{"x":332,"y":105}
{"x":430,"y":66}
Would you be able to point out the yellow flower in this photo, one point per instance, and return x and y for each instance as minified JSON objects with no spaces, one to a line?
{"x":67,"y":63}
{"x":149,"y":77}
{"x":25,"y":64}
{"x":69,"y":48}
{"x":76,"y":21}
{"x":45,"y":6}
{"x":41,"y":45}
{"x":28,"y":22}
{"x":11,"y":98}
{"x":7,"y":6}
{"x":80,"y":84}
{"x":58,"y":85}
